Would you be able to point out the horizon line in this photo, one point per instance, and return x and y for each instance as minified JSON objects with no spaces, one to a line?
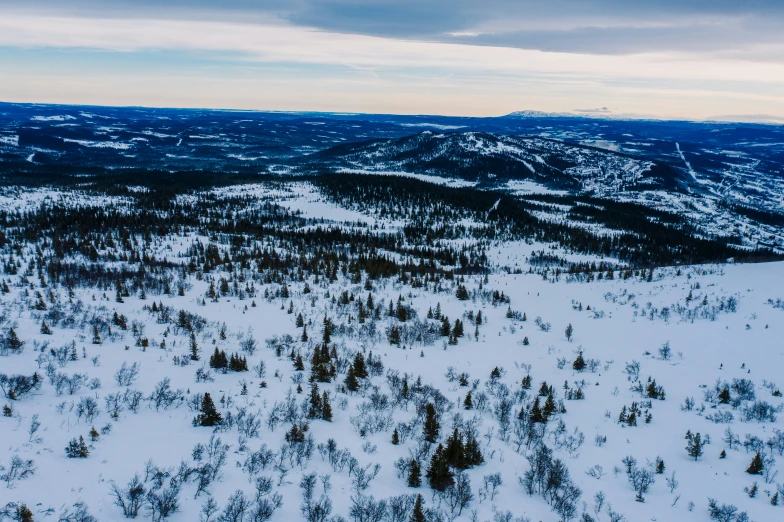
{"x":751,"y":119}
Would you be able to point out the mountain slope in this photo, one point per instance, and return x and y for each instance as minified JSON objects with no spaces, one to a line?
{"x":486,"y":158}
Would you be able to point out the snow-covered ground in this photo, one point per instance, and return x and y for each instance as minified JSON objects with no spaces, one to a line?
{"x":720,"y":323}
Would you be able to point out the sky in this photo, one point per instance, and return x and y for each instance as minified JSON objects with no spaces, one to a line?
{"x":694,"y":59}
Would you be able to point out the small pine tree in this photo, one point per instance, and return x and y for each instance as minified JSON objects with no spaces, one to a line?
{"x":695,"y":445}
{"x":8,"y":411}
{"x":569,"y":332}
{"x":723,"y":454}
{"x":525,"y":341}
{"x":96,"y":335}
{"x":414,"y":474}
{"x":194,"y":348}
{"x":439,"y":475}
{"x":351,"y":381}
{"x":468,"y":403}
{"x":23,"y":514}
{"x":395,"y":437}
{"x":12,"y":341}
{"x":418,"y":514}
{"x":774,"y":500}
{"x":579,"y":363}
{"x":756,"y":466}
{"x":45,"y":328}
{"x":431,"y":427}
{"x":208,"y":415}
{"x":549,"y":407}
{"x":304,"y":337}
{"x":724,"y":396}
{"x":77,"y":449}
{"x":394,"y":335}
{"x":94,"y":435}
{"x":326,"y":408}
{"x":536,"y":413}
{"x":360,"y":368}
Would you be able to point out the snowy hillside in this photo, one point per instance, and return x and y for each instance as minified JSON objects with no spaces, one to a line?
{"x":374,"y":348}
{"x":725,"y":180}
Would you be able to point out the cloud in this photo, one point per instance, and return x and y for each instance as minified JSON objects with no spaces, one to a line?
{"x":601,"y":110}
{"x":469,"y":59}
{"x":575,"y":26}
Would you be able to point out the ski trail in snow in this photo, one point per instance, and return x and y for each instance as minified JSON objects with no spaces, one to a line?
{"x":179,"y":142}
{"x":688,"y":165}
{"x":494,"y":207}
{"x":30,"y":157}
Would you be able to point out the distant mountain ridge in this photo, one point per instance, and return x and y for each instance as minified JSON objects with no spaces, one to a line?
{"x":726,"y":179}
{"x":489,"y":159}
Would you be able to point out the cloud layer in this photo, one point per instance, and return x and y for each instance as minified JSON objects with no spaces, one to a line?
{"x":667,"y":58}
{"x":750,"y":27}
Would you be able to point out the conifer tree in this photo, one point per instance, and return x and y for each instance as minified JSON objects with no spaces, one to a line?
{"x":694,"y":447}
{"x":431,"y":427}
{"x":457,"y":331}
{"x":322,"y":369}
{"x":756,"y":466}
{"x":194,"y":348}
{"x":360,"y":369}
{"x":414,"y":474}
{"x":446,"y":329}
{"x":579,"y":363}
{"x":549,"y":407}
{"x":77,"y":449}
{"x":45,"y":328}
{"x":454,"y":453}
{"x":351,"y":381}
{"x":394,"y":335}
{"x":327,"y":332}
{"x":316,"y":407}
{"x":208,"y":415}
{"x":439,"y":476}
{"x":12,"y":341}
{"x":23,"y":514}
{"x":96,"y":335}
{"x":468,"y":403}
{"x":418,"y":514}
{"x":536,"y":413}
{"x":395,"y":437}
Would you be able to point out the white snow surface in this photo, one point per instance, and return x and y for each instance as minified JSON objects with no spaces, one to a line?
{"x":619,"y":328}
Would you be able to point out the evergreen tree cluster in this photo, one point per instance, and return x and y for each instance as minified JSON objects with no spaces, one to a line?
{"x":235,"y":363}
